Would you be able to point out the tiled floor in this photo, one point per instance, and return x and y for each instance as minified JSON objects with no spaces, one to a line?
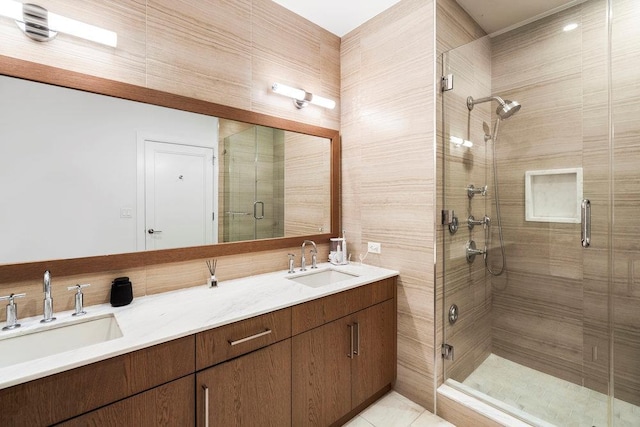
{"x":395,"y":410}
{"x":548,"y":398}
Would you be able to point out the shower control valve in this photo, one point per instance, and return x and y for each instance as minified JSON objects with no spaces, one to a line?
{"x":472,"y":222}
{"x":472,"y":191}
{"x":471,"y":252}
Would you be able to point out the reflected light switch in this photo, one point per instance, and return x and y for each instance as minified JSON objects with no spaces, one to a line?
{"x":126,"y":213}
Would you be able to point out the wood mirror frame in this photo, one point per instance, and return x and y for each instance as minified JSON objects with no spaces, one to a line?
{"x":66,"y":267}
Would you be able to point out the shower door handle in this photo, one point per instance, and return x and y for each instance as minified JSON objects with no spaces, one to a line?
{"x":255,"y":210}
{"x":585,"y":235}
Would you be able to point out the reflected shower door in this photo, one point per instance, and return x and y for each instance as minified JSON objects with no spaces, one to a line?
{"x":253,"y":182}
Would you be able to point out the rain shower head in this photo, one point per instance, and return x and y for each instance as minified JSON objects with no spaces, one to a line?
{"x":504,"y":111}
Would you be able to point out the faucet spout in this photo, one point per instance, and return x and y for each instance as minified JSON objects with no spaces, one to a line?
{"x":47,"y":284}
{"x":303,"y":260}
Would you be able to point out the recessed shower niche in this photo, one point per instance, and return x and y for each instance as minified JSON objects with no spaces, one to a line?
{"x":553,"y":195}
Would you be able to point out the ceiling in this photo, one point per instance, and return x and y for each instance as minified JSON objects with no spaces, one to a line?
{"x":342,"y":16}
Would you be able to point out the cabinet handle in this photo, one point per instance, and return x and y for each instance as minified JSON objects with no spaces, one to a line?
{"x":252,"y":337}
{"x":206,"y":405}
{"x":350,"y":354}
{"x":357,"y":328}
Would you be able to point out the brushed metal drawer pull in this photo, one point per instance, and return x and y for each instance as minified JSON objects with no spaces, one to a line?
{"x":356,"y":351}
{"x":252,"y":337}
{"x":350,"y":354}
{"x":206,"y":405}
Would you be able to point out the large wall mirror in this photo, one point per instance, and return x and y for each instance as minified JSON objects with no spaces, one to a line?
{"x":100,"y":175}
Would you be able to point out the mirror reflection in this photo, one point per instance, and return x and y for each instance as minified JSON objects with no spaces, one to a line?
{"x":86,"y":175}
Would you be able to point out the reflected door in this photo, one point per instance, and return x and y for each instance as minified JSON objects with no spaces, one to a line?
{"x":178,"y":196}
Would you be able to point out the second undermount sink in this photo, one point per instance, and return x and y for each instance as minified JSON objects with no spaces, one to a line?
{"x":322,"y":278}
{"x":56,"y":339}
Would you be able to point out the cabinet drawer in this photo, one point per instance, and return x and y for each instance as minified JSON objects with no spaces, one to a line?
{"x":61,"y":396}
{"x":167,"y":405}
{"x":229,"y":341}
{"x":315,"y":313}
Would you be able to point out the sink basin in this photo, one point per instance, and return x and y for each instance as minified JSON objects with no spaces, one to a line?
{"x":57,"y":339}
{"x":322,"y":278}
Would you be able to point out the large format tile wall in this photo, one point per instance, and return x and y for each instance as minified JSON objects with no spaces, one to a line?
{"x":540,"y":314}
{"x":388,"y":119}
{"x":224,"y":52}
{"x":551,"y":311}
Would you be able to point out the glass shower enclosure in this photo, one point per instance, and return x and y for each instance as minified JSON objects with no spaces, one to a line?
{"x":541,"y":291}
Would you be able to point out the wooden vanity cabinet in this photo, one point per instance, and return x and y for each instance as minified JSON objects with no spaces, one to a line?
{"x":311,"y":364}
{"x":340,"y":365}
{"x":244,"y":376}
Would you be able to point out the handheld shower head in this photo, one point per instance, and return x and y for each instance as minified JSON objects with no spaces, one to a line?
{"x":505,"y":110}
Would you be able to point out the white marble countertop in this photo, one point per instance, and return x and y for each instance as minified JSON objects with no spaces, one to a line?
{"x":156,"y":319}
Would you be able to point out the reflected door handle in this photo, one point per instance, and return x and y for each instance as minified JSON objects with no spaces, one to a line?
{"x":152,"y":231}
{"x":585,"y":234}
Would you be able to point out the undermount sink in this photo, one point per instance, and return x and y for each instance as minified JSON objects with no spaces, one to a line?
{"x":57,"y":339}
{"x":322,"y":278}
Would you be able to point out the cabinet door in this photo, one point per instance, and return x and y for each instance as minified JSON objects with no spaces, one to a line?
{"x":251,"y":390}
{"x":322,"y":374}
{"x":168,"y":405}
{"x":375,"y":364}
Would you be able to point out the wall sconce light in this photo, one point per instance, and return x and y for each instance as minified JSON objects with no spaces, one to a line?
{"x":302,"y":98}
{"x":41,"y":25}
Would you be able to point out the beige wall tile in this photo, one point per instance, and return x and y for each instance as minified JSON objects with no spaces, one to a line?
{"x":201,"y":50}
{"x":388,"y":172}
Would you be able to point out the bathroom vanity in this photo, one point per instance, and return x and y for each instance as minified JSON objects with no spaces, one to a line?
{"x":275,"y":349}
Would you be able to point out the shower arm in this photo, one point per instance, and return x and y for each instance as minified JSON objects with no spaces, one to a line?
{"x":471,"y":102}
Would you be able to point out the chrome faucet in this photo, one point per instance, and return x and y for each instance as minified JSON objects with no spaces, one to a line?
{"x":48,"y":301}
{"x":291,"y":268}
{"x":314,"y":256}
{"x":12,"y":311}
{"x":79,"y":297}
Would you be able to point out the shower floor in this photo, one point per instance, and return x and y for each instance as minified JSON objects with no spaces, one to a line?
{"x":551,"y":400}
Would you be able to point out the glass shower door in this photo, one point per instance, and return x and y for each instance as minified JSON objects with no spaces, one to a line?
{"x":467,"y":291}
{"x":625,"y":190}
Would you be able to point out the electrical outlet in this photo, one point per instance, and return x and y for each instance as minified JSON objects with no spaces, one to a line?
{"x":374,"y":247}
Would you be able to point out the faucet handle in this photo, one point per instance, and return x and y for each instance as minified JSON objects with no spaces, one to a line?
{"x":12,"y":311}
{"x":78,"y":287}
{"x":79,"y":298}
{"x":12,"y":297}
{"x":291,"y":268}
{"x":314,"y":258}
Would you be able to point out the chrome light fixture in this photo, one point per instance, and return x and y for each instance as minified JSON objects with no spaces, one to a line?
{"x":41,"y":25}
{"x":302,"y":98}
